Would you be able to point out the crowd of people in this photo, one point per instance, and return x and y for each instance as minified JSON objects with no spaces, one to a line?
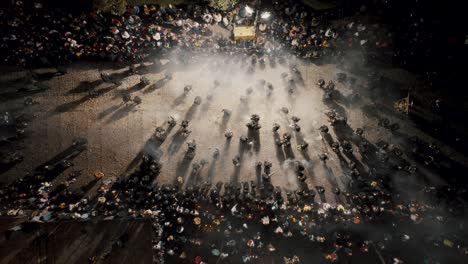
{"x":36,"y":35}
{"x":235,"y":222}
{"x":251,"y":222}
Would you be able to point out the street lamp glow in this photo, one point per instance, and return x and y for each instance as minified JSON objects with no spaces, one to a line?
{"x":265,"y":15}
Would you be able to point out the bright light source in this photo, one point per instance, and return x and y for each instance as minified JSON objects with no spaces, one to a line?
{"x":265,"y":15}
{"x":249,"y":10}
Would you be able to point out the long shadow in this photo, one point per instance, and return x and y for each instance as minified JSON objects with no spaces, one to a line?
{"x":440,"y":131}
{"x":46,"y":75}
{"x":297,"y":77}
{"x":121,"y":113}
{"x":191,"y":178}
{"x":370,"y":111}
{"x":72,"y":105}
{"x":88,"y":187}
{"x":343,"y":163}
{"x":191,"y":112}
{"x":154,"y":142}
{"x":258,"y":175}
{"x":60,"y":193}
{"x":69,"y":153}
{"x":340,"y":98}
{"x":130,"y":90}
{"x":330,"y":176}
{"x":151,"y":146}
{"x":155,"y":68}
{"x":299,"y":140}
{"x":13,"y":95}
{"x":292,"y":97}
{"x":352,"y":158}
{"x":133,"y":163}
{"x":242,"y":110}
{"x":4,"y":167}
{"x":236,"y":174}
{"x":132,"y":187}
{"x":211,"y":171}
{"x":227,"y":144}
{"x":155,"y":86}
{"x":195,"y":177}
{"x":299,"y":137}
{"x":289,"y":153}
{"x":279,"y":150}
{"x":343,"y":131}
{"x":58,"y":168}
{"x":85,"y":87}
{"x":254,"y":135}
{"x":50,"y":169}
{"x":182,"y":167}
{"x":83,"y":192}
{"x":369,"y":154}
{"x":205,"y":107}
{"x":322,"y":197}
{"x":178,"y":140}
{"x":224,"y":122}
{"x":242,"y":148}
{"x":338,"y":108}
{"x":302,"y":185}
{"x":179,"y":100}
{"x":305,"y":154}
{"x":327,"y":138}
{"x":119,"y":76}
{"x":237,"y":169}
{"x":8,"y":139}
{"x":20,"y":81}
{"x":107,"y":111}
